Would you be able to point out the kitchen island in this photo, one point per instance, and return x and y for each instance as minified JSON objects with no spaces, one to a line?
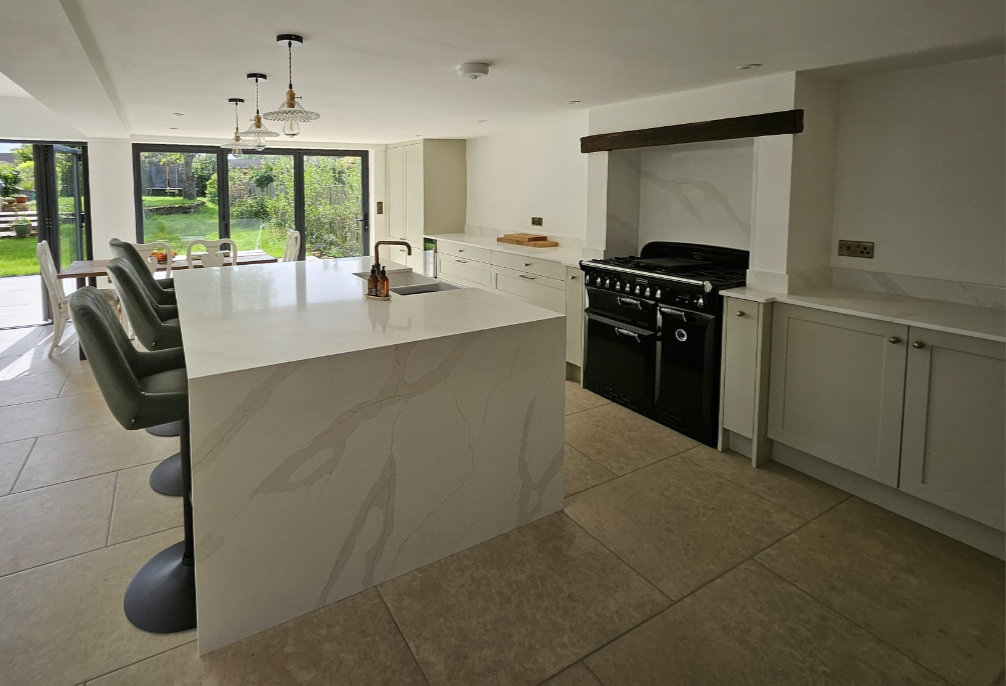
{"x":338,"y":442}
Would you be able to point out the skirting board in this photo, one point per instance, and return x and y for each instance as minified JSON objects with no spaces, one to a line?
{"x":950,"y":524}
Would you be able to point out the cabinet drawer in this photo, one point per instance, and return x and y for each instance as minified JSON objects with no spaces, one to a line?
{"x":469,"y":252}
{"x":537,"y":290}
{"x":464,"y":272}
{"x":532,"y":265}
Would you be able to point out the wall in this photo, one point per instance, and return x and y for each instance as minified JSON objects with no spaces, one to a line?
{"x":536,"y":171}
{"x":920,"y":171}
{"x":110,"y":165}
{"x":697,"y":193}
{"x":28,"y":119}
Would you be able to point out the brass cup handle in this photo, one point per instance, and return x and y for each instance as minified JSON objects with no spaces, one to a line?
{"x":918,"y":345}
{"x":740,"y":313}
{"x":893,"y":339}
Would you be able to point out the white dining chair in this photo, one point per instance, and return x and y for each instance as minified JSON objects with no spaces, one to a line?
{"x":214,"y":255}
{"x":58,"y":302}
{"x":146,"y":252}
{"x":291,"y":251}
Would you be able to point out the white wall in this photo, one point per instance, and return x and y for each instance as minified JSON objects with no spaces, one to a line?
{"x":920,"y":171}
{"x":538,"y":171}
{"x":697,"y":193}
{"x":28,"y":119}
{"x":110,"y":165}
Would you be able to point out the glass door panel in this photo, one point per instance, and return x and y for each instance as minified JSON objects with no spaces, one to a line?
{"x":178,"y":196}
{"x":70,"y":202}
{"x":261,"y":199}
{"x":335,"y":220}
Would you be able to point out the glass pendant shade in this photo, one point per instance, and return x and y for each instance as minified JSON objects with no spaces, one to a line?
{"x":236,"y":144}
{"x":258,"y":132}
{"x":290,"y":112}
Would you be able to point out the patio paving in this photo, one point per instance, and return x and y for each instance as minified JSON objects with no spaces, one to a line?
{"x":20,"y":301}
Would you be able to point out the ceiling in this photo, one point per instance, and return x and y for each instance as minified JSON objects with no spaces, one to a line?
{"x":385,"y":70}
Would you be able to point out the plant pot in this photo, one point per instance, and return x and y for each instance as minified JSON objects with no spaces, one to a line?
{"x":21,"y":198}
{"x":22,"y":230}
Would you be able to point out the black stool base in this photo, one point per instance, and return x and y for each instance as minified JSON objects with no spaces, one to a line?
{"x":166,"y":478}
{"x":169,"y":429}
{"x":161,"y":598}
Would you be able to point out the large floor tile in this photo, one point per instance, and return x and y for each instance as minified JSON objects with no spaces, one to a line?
{"x":577,"y":675}
{"x":579,"y":472}
{"x":26,"y":389}
{"x":55,"y":522}
{"x":937,"y":600}
{"x":751,"y":627}
{"x":519,"y":607}
{"x":53,"y":416}
{"x":622,"y":440}
{"x":351,"y":642}
{"x":63,"y":623}
{"x":678,"y":524}
{"x":79,"y":381}
{"x":139,"y":510}
{"x":86,"y":452}
{"x":798,"y":493}
{"x":13,"y":455}
{"x":579,"y":399}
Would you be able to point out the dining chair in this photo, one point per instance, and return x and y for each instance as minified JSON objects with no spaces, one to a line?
{"x":145,"y":389}
{"x":291,"y":250}
{"x":146,"y":250}
{"x":214,"y":256}
{"x":58,"y":303}
{"x":161,"y":291}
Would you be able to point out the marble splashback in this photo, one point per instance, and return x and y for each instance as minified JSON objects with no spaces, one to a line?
{"x":960,"y":292}
{"x":316,"y":479}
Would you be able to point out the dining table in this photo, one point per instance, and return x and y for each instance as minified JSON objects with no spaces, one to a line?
{"x":88,"y":271}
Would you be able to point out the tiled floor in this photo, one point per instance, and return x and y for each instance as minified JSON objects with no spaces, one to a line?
{"x":672,"y":564}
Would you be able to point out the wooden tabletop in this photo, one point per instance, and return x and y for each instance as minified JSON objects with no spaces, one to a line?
{"x":86,"y":269}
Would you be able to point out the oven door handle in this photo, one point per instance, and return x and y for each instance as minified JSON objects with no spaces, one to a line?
{"x":630,"y":302}
{"x":626,"y":332}
{"x":670,"y":312}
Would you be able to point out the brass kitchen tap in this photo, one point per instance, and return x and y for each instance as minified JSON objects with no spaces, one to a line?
{"x":377,"y":255}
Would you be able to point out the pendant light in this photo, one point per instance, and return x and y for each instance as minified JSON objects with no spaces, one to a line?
{"x":257,"y":132}
{"x":235,"y":144}
{"x":290,"y":112}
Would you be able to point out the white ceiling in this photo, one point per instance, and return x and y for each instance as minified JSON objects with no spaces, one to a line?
{"x":384,"y":70}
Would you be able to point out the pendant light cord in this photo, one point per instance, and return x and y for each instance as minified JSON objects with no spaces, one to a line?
{"x":237,"y":126}
{"x":289,"y":61}
{"x":256,"y":95}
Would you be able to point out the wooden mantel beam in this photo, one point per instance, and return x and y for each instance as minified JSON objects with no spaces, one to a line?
{"x":768,"y":124}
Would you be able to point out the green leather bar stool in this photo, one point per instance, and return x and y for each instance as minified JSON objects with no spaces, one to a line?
{"x":154,"y":328}
{"x":162,"y":295}
{"x":144,"y":389}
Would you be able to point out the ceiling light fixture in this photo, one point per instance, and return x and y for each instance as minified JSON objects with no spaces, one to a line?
{"x":235,"y":144}
{"x":573,"y":102}
{"x":257,"y":132}
{"x":178,"y":114}
{"x":752,"y":65}
{"x":291,"y":112}
{"x":473,"y":70}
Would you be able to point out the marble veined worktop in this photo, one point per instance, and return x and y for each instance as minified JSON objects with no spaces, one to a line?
{"x":968,"y":320}
{"x":569,"y":255}
{"x":249,"y":316}
{"x":339,"y":442}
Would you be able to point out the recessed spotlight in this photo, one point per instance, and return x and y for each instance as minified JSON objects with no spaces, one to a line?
{"x":178,"y":114}
{"x":483,"y":121}
{"x":473,"y":70}
{"x":172,"y":128}
{"x":573,"y":102}
{"x":752,"y":65}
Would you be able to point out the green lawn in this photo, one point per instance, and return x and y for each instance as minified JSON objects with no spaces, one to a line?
{"x":204,"y":222}
{"x":17,"y":256}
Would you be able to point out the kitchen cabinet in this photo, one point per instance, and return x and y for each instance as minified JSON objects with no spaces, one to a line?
{"x":952,"y":446}
{"x":574,"y":316}
{"x":837,"y":388}
{"x":426,"y":193}
{"x":745,"y":364}
{"x":532,"y":288}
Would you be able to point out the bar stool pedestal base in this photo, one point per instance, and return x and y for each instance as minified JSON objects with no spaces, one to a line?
{"x":166,"y":478}
{"x":168,"y":430}
{"x":161,"y":598}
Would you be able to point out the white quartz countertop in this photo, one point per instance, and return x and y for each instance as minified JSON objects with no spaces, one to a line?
{"x":968,"y":320}
{"x":567,"y":255}
{"x":248,"y":316}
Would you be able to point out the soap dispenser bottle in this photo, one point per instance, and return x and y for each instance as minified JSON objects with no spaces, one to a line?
{"x":373,"y":282}
{"x":385,"y":284}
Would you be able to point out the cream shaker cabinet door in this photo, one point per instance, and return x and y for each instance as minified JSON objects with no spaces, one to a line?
{"x":837,"y":389}
{"x":396,"y":194}
{"x":740,"y":365}
{"x":574,"y":316}
{"x":952,"y":450}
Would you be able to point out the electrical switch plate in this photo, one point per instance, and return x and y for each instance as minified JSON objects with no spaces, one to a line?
{"x":856,"y":249}
{"x":380,"y":207}
{"x":535,"y":221}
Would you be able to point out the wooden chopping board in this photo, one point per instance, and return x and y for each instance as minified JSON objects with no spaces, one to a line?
{"x":530,"y":240}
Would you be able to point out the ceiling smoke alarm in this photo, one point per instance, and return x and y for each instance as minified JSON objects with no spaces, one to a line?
{"x":473,"y":70}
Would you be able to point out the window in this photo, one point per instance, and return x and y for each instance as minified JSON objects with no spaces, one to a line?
{"x":188,"y":192}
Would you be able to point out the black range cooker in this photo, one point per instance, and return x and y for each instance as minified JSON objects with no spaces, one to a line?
{"x":653,"y":331}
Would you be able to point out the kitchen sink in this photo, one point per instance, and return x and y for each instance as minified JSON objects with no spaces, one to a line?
{"x":423,"y":288}
{"x":411,"y":283}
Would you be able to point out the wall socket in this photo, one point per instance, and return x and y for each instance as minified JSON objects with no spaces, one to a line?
{"x":856,"y":249}
{"x":536,"y":221}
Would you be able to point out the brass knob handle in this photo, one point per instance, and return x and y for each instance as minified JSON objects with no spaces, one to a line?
{"x":461,"y":249}
{"x":740,"y":313}
{"x":918,"y":345}
{"x":573,"y":277}
{"x":527,"y":264}
{"x":893,"y":339}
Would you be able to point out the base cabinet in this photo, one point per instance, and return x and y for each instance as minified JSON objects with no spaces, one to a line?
{"x":952,"y":450}
{"x":574,"y":316}
{"x":744,"y":390}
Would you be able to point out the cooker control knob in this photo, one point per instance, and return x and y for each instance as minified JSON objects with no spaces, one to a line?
{"x":646,"y":293}
{"x":639,"y":290}
{"x":607,"y":282}
{"x":700,"y":302}
{"x":658,"y":295}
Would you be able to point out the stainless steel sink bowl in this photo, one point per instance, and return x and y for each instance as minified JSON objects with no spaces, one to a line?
{"x":411,"y":283}
{"x":434,"y":287}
